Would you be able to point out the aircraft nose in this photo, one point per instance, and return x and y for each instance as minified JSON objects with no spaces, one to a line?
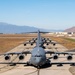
{"x":38,"y":61}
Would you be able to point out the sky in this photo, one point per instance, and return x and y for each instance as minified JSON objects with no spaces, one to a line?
{"x":46,"y":14}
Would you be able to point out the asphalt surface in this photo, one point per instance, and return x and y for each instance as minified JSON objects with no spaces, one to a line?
{"x":29,"y":70}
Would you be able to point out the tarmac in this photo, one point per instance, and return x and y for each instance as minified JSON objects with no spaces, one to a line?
{"x":30,"y":70}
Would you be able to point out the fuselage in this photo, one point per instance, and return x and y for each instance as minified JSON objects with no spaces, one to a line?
{"x":41,"y":43}
{"x":38,"y":56}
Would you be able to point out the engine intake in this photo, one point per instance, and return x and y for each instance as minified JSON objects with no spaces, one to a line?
{"x":7,"y":57}
{"x":24,"y":44}
{"x":47,"y":43}
{"x":21,"y":57}
{"x":69,"y":57}
{"x":54,"y":44}
{"x":31,"y":43}
{"x":55,"y":56}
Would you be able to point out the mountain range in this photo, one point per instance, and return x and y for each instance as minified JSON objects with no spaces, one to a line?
{"x":72,"y":29}
{"x":10,"y":28}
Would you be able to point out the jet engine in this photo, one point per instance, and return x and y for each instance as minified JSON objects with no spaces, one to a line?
{"x":69,"y":57}
{"x":31,"y":43}
{"x":7,"y":57}
{"x":24,"y":44}
{"x":55,"y":56}
{"x":21,"y":57}
{"x":54,"y":44}
{"x":47,"y":43}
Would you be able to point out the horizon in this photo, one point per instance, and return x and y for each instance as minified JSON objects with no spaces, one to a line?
{"x":31,"y":26}
{"x":46,"y":14}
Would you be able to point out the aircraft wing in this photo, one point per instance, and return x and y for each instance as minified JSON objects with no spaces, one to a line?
{"x":62,"y":63}
{"x":39,"y":32}
{"x":17,"y":53}
{"x":13,"y":63}
{"x":28,"y":42}
{"x":49,"y":52}
{"x":64,"y":53}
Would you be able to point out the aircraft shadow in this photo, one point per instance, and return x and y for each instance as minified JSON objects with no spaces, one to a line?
{"x":41,"y":67}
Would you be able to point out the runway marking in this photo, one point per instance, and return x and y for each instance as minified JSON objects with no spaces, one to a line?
{"x":38,"y":70}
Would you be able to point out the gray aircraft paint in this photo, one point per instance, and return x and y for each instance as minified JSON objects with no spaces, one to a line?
{"x":38,"y":56}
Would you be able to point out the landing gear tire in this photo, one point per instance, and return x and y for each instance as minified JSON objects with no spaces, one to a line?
{"x":38,"y":67}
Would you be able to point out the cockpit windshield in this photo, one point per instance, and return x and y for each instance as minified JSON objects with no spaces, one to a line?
{"x":38,"y":55}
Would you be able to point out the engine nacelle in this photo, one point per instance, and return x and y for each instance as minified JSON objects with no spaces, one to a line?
{"x":55,"y":56}
{"x":69,"y":57}
{"x":54,"y":44}
{"x":24,"y":44}
{"x":21,"y":57}
{"x":31,"y":43}
{"x":7,"y":57}
{"x":47,"y":43}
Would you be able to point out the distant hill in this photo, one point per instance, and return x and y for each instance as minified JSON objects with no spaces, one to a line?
{"x":72,"y":29}
{"x":10,"y":28}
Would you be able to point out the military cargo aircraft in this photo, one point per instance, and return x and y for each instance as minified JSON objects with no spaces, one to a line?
{"x":42,"y":40}
{"x":38,"y":55}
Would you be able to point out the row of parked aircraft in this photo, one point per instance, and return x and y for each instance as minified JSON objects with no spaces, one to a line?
{"x":38,"y":54}
{"x":42,"y":41}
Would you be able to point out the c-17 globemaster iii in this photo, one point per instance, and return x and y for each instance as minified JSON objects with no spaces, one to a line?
{"x":38,"y":55}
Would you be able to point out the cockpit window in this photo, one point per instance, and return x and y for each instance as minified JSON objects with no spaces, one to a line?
{"x":38,"y":55}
